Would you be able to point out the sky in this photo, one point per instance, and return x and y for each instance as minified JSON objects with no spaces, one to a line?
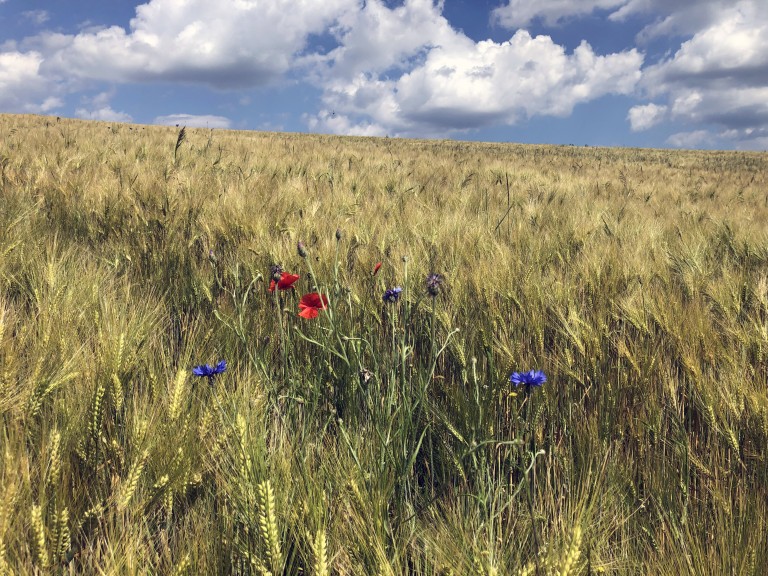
{"x":637,"y":73}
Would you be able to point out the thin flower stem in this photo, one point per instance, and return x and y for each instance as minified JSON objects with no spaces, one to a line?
{"x":433,"y":347}
{"x":531,"y":472}
{"x":406,"y":319}
{"x":283,"y":343}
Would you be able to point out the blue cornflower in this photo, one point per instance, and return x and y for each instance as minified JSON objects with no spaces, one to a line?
{"x":210,"y":371}
{"x":530,"y":378}
{"x":392,"y":295}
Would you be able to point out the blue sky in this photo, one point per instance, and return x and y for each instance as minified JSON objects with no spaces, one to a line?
{"x":652,"y":73}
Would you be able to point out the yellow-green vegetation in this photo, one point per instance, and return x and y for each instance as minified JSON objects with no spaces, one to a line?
{"x":378,"y":437}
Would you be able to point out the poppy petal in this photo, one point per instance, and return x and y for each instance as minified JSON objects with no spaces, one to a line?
{"x":286,"y":281}
{"x":309,"y":313}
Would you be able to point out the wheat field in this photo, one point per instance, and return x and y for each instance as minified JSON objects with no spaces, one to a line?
{"x":380,"y":434}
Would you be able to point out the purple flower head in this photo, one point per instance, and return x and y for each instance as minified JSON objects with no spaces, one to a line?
{"x":276,"y":272}
{"x":529,"y":379}
{"x":434,"y":282}
{"x":209,"y":371}
{"x":392,"y":295}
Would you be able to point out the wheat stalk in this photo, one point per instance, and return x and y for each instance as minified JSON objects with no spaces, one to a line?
{"x":572,"y":553}
{"x":183,"y":566}
{"x":268,"y":526}
{"x":54,"y":460}
{"x":38,"y":528}
{"x":63,"y":537}
{"x":117,"y":392}
{"x":177,"y":394}
{"x":320,"y":551}
{"x":132,"y":481}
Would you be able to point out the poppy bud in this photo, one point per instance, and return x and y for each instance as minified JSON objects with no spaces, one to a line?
{"x":338,"y":234}
{"x":301,"y":249}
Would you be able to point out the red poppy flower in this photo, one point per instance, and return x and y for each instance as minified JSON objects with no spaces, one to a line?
{"x":311,"y":304}
{"x":376,"y":268}
{"x":286,"y":282}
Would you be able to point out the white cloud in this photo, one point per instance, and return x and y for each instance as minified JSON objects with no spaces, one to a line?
{"x":104,"y":113}
{"x":520,"y":13}
{"x":22,"y":87}
{"x":694,"y":139}
{"x":37,"y":16}
{"x":673,"y":17}
{"x":663,"y":17}
{"x":333,"y":123}
{"x":227,"y":44}
{"x":375,"y":38}
{"x":644,"y":117}
{"x":99,"y":108}
{"x":428,"y":79}
{"x":735,"y":48}
{"x":193,"y":121}
{"x":720,"y":76}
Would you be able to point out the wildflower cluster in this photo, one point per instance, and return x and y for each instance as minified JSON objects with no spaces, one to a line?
{"x":313,"y":303}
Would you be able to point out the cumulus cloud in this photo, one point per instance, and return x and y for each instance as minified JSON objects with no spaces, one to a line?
{"x":98,"y":108}
{"x":429,"y":79}
{"x":644,"y":117}
{"x":22,"y":86}
{"x":401,"y":68}
{"x":694,"y":139}
{"x":720,"y":76}
{"x":673,"y":17}
{"x":521,"y":13}
{"x":663,"y":17}
{"x":193,"y":121}
{"x":335,"y":123}
{"x":227,"y":44}
{"x":105,"y":114}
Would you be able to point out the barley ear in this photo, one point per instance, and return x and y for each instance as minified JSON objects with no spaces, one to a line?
{"x":179,"y":141}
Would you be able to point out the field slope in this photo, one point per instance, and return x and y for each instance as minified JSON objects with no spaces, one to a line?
{"x":378,"y":437}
